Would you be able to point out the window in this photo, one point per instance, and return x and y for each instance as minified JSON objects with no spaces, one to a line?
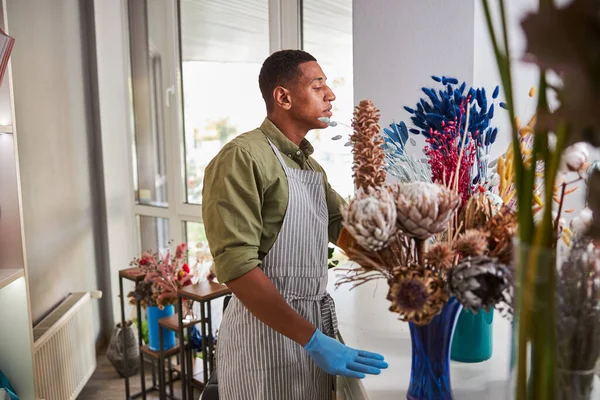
{"x":150,"y":128}
{"x":223,"y":46}
{"x":327,"y":35}
{"x":154,"y":233}
{"x":194,"y":86}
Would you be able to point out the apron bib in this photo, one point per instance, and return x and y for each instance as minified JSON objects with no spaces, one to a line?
{"x":255,"y":362}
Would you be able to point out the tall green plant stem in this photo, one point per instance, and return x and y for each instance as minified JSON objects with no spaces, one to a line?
{"x":538,"y":281}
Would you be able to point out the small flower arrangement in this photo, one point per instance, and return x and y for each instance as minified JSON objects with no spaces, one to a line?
{"x":165,"y":275}
{"x":400,"y":231}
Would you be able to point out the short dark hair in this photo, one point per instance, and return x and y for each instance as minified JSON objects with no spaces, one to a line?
{"x":280,"y":69}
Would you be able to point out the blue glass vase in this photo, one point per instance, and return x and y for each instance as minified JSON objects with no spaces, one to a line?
{"x":154,"y":314}
{"x":430,"y":370}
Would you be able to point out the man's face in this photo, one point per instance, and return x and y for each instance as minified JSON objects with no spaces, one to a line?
{"x":311,"y":97}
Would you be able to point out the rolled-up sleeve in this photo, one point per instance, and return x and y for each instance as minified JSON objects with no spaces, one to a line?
{"x":231,"y":212}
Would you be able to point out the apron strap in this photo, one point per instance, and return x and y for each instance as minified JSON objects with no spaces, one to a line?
{"x":327,"y":312}
{"x":278,"y":154}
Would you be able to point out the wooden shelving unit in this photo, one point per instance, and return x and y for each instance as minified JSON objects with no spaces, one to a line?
{"x":16,"y":346}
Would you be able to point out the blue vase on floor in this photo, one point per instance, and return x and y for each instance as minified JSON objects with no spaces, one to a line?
{"x":430,"y":369}
{"x":154,"y":314}
{"x":473,"y":338}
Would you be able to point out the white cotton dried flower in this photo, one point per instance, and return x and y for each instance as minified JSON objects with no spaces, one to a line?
{"x":370,"y":217}
{"x":424,"y":209}
{"x":583,"y":221}
{"x":574,"y":157}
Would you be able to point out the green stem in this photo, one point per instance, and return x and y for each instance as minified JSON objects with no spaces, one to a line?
{"x":504,"y":67}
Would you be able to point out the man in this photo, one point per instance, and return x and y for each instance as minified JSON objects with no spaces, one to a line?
{"x":269,"y":213}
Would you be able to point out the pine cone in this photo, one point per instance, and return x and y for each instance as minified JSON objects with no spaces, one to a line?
{"x":417,"y":294}
{"x":480,"y":282}
{"x":369,"y":156}
{"x":440,"y":256}
{"x":370,"y":218}
{"x":424,"y":209}
{"x":472,"y":243}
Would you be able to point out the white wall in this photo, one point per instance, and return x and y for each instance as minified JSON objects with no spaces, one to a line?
{"x":71,"y":79}
{"x":52,"y":105}
{"x":398,"y":45}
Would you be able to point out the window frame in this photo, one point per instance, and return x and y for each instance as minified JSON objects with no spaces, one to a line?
{"x":285,"y":32}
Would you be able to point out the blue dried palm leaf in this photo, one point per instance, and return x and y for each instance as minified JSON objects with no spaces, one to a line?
{"x":397,"y":136}
{"x":440,"y":106}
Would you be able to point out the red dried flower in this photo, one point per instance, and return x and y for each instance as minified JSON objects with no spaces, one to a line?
{"x":443,"y":153}
{"x":145,"y":260}
{"x":181,"y":249}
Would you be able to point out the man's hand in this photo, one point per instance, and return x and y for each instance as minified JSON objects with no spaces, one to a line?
{"x":258,"y":294}
{"x":337,"y":359}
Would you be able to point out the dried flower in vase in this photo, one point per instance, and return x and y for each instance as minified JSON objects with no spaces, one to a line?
{"x":417,"y":294}
{"x":471,"y":243}
{"x":369,"y":156}
{"x":578,"y":322}
{"x":424,"y":209}
{"x":440,"y":256}
{"x":165,"y":275}
{"x":370,"y":217}
{"x":501,"y":230}
{"x":480,"y":282}
{"x":477,"y":212}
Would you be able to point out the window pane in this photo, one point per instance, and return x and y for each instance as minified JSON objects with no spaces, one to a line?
{"x":223,"y":46}
{"x":154,"y":233}
{"x":149,"y":57}
{"x":198,"y":247}
{"x":200,"y":261}
{"x":327,"y":35}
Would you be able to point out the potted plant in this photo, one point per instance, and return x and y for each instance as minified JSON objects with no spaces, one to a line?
{"x":157,"y":293}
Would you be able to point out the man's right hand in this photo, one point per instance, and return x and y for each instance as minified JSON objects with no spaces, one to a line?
{"x":337,"y":359}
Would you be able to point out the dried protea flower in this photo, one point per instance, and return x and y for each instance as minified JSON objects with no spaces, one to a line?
{"x":440,"y":256}
{"x":417,"y":294}
{"x":501,"y":230}
{"x":477,"y":212}
{"x":370,"y":218}
{"x":480,"y":282}
{"x":424,"y":209}
{"x":471,"y":243}
{"x":369,"y":156}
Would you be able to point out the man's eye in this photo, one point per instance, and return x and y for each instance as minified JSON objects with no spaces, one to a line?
{"x":318,"y":88}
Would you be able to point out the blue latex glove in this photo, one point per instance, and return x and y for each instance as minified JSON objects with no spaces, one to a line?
{"x":337,"y":359}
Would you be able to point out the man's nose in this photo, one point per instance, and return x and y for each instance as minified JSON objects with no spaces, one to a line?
{"x":329,"y":96}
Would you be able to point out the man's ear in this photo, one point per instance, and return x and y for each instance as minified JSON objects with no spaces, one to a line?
{"x":282,"y":98}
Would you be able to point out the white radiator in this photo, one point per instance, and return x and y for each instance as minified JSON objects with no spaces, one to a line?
{"x":65,"y":348}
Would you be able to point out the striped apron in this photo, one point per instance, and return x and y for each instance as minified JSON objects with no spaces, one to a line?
{"x":255,"y":362}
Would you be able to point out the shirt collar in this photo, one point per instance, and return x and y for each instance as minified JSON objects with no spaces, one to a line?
{"x":285,"y":145}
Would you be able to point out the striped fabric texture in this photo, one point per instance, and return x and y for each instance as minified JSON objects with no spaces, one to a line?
{"x":255,"y":362}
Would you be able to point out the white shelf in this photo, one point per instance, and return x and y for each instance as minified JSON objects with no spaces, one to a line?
{"x":6,"y":129}
{"x":7,"y":276}
{"x":16,"y":350}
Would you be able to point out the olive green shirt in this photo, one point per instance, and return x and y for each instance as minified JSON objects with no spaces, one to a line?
{"x":245,"y":197}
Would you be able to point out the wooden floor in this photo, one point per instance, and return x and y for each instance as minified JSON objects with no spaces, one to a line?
{"x":106,"y":384}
